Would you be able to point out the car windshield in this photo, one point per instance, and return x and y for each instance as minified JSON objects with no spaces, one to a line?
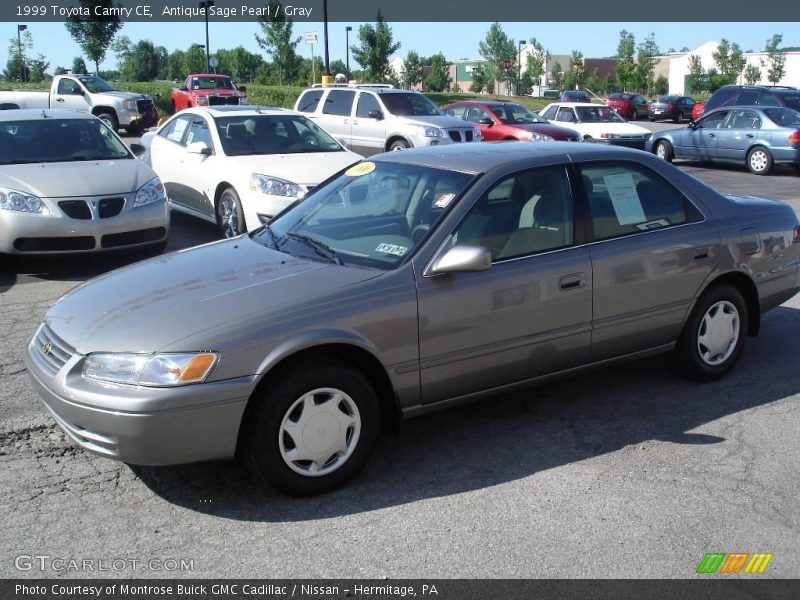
{"x":96,"y":85}
{"x":792,"y":101}
{"x":785,"y":117}
{"x":410,"y":105}
{"x":58,"y":140}
{"x":598,"y":114}
{"x":243,"y":135}
{"x":514,"y":113}
{"x":211,"y":83}
{"x":372,"y":215}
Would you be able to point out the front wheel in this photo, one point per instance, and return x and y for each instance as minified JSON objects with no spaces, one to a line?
{"x":714,"y":336}
{"x":313,"y":428}
{"x":759,"y":161}
{"x":398,"y":145}
{"x":663,"y":150}
{"x":230,"y":216}
{"x":109,"y":119}
{"x":679,"y":118}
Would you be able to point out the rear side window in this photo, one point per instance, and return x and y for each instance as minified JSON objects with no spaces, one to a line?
{"x":626,"y":198}
{"x":339,"y":102}
{"x":720,"y":97}
{"x":550,"y":113}
{"x":309,"y":100}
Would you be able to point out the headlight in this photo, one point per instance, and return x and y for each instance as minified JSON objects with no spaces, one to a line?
{"x":129,"y":105}
{"x":243,"y":100}
{"x":150,"y":369}
{"x":432,"y":132}
{"x":274,"y":186}
{"x":609,"y":136}
{"x":21,"y":202}
{"x":647,"y":136}
{"x":150,"y":192}
{"x":533,"y":136}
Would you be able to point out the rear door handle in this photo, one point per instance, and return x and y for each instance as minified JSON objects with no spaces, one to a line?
{"x":700,"y":253}
{"x":711,"y":135}
{"x":749,"y":135}
{"x":571,"y":282}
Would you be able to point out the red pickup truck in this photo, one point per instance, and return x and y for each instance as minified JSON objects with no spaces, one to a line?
{"x":207,"y":90}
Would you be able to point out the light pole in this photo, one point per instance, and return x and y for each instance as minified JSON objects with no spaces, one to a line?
{"x":519,"y":67}
{"x":206,"y":4}
{"x":325,"y":26}
{"x":20,"y":29}
{"x":347,"y":31}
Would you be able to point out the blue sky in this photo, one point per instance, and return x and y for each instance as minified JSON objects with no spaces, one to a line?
{"x":593,"y":39}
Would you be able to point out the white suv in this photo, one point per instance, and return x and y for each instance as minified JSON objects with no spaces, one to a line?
{"x":369,"y":119}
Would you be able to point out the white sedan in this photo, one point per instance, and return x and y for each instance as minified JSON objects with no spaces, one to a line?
{"x":597,"y":123}
{"x":240,"y":166}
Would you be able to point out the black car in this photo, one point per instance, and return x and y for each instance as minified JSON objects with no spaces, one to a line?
{"x":754,"y":95}
{"x":670,"y":107}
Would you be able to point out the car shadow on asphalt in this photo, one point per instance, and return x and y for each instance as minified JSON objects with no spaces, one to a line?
{"x":782,"y":171}
{"x":185,"y":231}
{"x":508,"y":438}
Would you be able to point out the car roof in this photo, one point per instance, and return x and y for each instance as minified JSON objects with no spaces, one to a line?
{"x":576,"y":104}
{"x":33,"y":114}
{"x":364,"y":88}
{"x":209,"y":75}
{"x":485,"y":156}
{"x":246,"y":110}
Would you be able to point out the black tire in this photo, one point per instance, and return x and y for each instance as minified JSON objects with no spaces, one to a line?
{"x":265,"y":440}
{"x":635,"y":115}
{"x":668,"y":152}
{"x":759,"y":161}
{"x":110,"y":119}
{"x":230,"y":216}
{"x":135,"y":129}
{"x":688,"y":351}
{"x":398,"y":145}
{"x":679,"y":117}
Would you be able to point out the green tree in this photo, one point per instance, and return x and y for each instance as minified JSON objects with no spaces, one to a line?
{"x":439,"y":78}
{"x":79,"y":65}
{"x":305,"y":71}
{"x":60,"y":71}
{"x":626,"y":66}
{"x":175,"y":70}
{"x":729,"y":60}
{"x":646,"y":53}
{"x":18,"y":64}
{"x":279,"y":42}
{"x":752,"y":75}
{"x":534,"y":66}
{"x":556,"y":76}
{"x":593,"y":83}
{"x":496,"y":49}
{"x":608,"y":84}
{"x":776,"y":59}
{"x":375,"y":46}
{"x":696,"y":80}
{"x":240,"y":64}
{"x":575,"y":78}
{"x":661,"y":86}
{"x":38,"y":68}
{"x":481,"y":79}
{"x":412,"y":70}
{"x":338,"y":66}
{"x":94,"y":33}
{"x":194,"y":60}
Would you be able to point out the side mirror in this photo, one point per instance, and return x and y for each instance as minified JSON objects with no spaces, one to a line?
{"x":486,"y":121}
{"x":78,"y":92}
{"x":375,"y":114}
{"x":183,"y":88}
{"x":198,"y":148}
{"x":138,"y":149}
{"x":462,"y":259}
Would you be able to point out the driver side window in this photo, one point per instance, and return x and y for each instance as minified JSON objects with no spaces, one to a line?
{"x":68,"y":86}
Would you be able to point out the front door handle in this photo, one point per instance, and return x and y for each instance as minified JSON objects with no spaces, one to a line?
{"x":59,"y":99}
{"x":749,"y":135}
{"x":700,"y":253}
{"x":346,"y":121}
{"x":711,"y":135}
{"x":572,"y":282}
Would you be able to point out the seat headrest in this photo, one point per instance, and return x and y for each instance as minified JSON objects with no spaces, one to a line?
{"x":237,"y":130}
{"x":549,"y":210}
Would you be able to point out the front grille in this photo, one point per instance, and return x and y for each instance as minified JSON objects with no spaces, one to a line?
{"x":54,"y":244}
{"x":455,"y":135}
{"x":222,"y":100}
{"x":110,"y":207}
{"x":144,"y":106}
{"x":51,"y":349}
{"x":77,"y":209}
{"x":127,"y":238}
{"x":468,"y":135}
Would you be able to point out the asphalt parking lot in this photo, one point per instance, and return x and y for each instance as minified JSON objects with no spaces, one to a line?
{"x":625,"y":472}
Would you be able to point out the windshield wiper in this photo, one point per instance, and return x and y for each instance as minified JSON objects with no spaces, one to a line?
{"x":322,"y":249}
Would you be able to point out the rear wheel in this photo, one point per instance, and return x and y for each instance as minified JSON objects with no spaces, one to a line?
{"x":313,"y":428}
{"x":634,"y":115}
{"x":663,"y":150}
{"x":230,"y":216}
{"x":714,"y":336}
{"x":759,"y":161}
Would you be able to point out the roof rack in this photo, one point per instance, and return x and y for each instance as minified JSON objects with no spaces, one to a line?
{"x":777,"y":87}
{"x":384,"y":86}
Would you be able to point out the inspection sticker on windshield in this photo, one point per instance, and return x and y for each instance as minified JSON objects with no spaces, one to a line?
{"x":443,"y":200}
{"x":391,"y":249}
{"x":360,"y":169}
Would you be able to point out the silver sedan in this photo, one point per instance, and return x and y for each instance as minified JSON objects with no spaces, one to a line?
{"x":405,"y":284}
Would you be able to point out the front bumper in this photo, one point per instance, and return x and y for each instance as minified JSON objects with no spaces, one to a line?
{"x":140,"y":425}
{"x":133,"y":118}
{"x":57,"y":233}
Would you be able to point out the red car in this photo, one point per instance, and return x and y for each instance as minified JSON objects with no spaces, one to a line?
{"x":509,"y":121}
{"x":697,"y":110}
{"x":629,"y":106}
{"x":207,"y":90}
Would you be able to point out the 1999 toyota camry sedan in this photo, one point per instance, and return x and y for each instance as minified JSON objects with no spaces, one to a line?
{"x":408,"y":283}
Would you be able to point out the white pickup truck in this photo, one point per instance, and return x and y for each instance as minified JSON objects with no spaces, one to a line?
{"x":133,"y":112}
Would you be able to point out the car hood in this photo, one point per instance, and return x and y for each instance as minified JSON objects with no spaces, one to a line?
{"x":125,"y":95}
{"x":546,"y":128}
{"x":217,"y":92}
{"x":158,"y":304}
{"x":71,"y":179}
{"x":442,"y":121}
{"x":309,"y":168}
{"x":620,"y":128}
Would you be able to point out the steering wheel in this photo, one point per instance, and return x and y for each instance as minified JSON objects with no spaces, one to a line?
{"x":419,"y":232}
{"x":310,"y":139}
